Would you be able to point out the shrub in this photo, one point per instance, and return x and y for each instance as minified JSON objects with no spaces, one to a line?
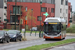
{"x":71,"y":29}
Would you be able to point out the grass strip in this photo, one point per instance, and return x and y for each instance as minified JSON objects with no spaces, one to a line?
{"x":23,"y":32}
{"x":39,"y":47}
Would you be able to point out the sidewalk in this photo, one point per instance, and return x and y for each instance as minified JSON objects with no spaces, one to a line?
{"x":65,"y":47}
{"x":32,"y":36}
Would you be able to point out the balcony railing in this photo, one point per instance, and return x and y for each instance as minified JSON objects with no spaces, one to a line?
{"x":13,"y":23}
{"x":16,"y":13}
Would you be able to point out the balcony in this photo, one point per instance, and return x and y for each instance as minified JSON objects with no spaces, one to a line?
{"x":14,"y":14}
{"x":13,"y":23}
{"x":18,"y":14}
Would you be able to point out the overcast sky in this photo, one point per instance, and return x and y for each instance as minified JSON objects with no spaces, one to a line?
{"x":73,"y":4}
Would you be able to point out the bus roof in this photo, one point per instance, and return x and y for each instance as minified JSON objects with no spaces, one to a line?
{"x":54,"y":19}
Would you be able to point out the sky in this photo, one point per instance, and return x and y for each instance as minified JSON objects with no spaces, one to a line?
{"x":73,"y":4}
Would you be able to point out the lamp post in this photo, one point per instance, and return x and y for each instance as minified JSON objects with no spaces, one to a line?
{"x":20,"y":18}
{"x":15,"y":13}
{"x":31,"y":21}
{"x":40,"y":19}
{"x":25,"y":29}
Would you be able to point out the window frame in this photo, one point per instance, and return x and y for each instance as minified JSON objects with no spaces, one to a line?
{"x":62,"y":2}
{"x":53,"y":10}
{"x":45,"y":9}
{"x":66,"y":2}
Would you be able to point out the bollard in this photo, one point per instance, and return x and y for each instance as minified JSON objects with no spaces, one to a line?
{"x":42,"y":34}
{"x":35,"y":33}
{"x":30,"y":33}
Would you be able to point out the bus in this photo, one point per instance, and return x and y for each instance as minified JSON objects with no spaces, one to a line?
{"x":54,"y":28}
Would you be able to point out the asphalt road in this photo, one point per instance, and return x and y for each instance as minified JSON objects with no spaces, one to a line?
{"x":66,"y":47}
{"x":24,"y":44}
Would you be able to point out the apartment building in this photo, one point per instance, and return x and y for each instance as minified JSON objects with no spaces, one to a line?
{"x":3,"y":10}
{"x":61,"y":9}
{"x":55,"y":8}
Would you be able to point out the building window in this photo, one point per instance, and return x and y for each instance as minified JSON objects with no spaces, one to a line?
{"x":25,"y":8}
{"x":52,"y":10}
{"x":4,"y":13}
{"x":21,"y":21}
{"x":5,"y":7}
{"x":43,"y":9}
{"x":66,"y":3}
{"x":52,"y":1}
{"x":60,"y":10}
{"x":17,"y":10}
{"x":14,"y":10}
{"x":39,"y":18}
{"x":66,"y":11}
{"x":9,"y":0}
{"x":24,"y":1}
{"x":69,"y":8}
{"x":35,"y":0}
{"x":62,"y":2}
{"x":13,"y":0}
{"x":25,"y":17}
{"x":0,"y":17}
{"x":18,"y":0}
{"x":48,"y":10}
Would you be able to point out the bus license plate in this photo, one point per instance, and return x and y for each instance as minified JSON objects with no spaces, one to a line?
{"x":52,"y":37}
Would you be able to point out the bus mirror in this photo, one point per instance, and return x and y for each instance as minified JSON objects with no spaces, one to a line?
{"x":62,"y":26}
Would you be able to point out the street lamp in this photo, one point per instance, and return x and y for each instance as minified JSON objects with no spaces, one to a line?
{"x":31,"y":20}
{"x":15,"y":13}
{"x":20,"y":18}
{"x":40,"y":20}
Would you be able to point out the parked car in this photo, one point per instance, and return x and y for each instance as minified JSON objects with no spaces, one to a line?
{"x":15,"y":35}
{"x":34,"y":28}
{"x":4,"y":37}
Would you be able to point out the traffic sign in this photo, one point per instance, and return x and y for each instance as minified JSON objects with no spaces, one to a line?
{"x":42,"y":24}
{"x":46,"y":14}
{"x":25,"y":22}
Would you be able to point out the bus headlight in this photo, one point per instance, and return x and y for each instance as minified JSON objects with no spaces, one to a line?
{"x":59,"y":35}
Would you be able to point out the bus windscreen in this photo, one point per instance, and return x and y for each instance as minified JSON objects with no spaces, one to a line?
{"x":52,"y":27}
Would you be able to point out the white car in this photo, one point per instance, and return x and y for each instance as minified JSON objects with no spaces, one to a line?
{"x":34,"y":28}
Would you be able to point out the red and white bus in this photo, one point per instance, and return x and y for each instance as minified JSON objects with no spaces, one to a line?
{"x":54,"y":28}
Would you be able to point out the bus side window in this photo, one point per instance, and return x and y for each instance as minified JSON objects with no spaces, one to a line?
{"x":61,"y":25}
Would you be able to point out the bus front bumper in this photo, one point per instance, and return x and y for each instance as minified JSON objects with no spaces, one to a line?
{"x":52,"y":37}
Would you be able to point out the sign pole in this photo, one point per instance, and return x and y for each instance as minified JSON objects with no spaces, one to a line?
{"x":15,"y":13}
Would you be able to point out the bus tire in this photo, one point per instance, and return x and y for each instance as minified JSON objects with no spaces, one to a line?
{"x":64,"y":38}
{"x":46,"y":39}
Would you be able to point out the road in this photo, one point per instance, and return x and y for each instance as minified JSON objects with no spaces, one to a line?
{"x":66,"y":47}
{"x":24,"y":44}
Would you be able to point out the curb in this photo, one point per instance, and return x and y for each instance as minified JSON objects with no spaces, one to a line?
{"x":70,"y":34}
{"x":57,"y":46}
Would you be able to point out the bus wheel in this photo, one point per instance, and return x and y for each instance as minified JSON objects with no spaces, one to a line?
{"x":64,"y":38}
{"x":46,"y":39}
